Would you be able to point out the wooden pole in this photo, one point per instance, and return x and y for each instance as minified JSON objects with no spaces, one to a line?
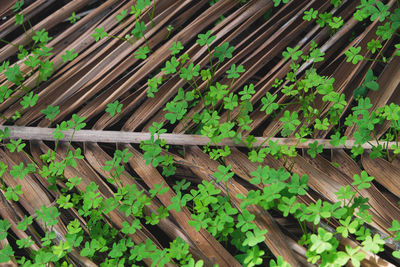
{"x":45,"y":134}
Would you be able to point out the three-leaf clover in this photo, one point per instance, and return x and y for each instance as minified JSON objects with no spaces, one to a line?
{"x":176,"y":48}
{"x":15,"y":145}
{"x":171,"y":65}
{"x":320,"y":242}
{"x":4,"y":226}
{"x":190,"y":72}
{"x":13,"y":193}
{"x":114,"y":108}
{"x":48,"y":215}
{"x":139,"y":29}
{"x":199,"y":221}
{"x":362,"y":181}
{"x":6,"y":253}
{"x":336,"y":139}
{"x":73,"y":18}
{"x":347,"y":227}
{"x":336,"y":3}
{"x":231,"y":101}
{"x":76,"y":122}
{"x":128,"y":228}
{"x":41,"y":36}
{"x":292,"y":53}
{"x":153,"y":85}
{"x":14,"y":74}
{"x":142,"y":52}
{"x":18,"y":5}
{"x":141,"y":4}
{"x":247,"y":92}
{"x":51,"y":112}
{"x":352,"y":254}
{"x":223,"y":51}
{"x":268,"y":104}
{"x":310,"y":14}
{"x":353,"y":56}
{"x":234,"y":73}
{"x":122,"y":15}
{"x":19,"y":18}
{"x":278,"y":2}
{"x":374,"y":45}
{"x":373,"y":244}
{"x":254,"y":237}
{"x":223,"y":173}
{"x":379,"y":11}
{"x":69,"y":55}
{"x":205,"y":39}
{"x":290,"y":121}
{"x":23,"y":225}
{"x":335,"y":22}
{"x":45,"y":70}
{"x":99,"y":33}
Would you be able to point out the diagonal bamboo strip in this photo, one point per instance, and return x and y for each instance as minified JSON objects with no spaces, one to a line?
{"x":274,"y":238}
{"x":45,"y":134}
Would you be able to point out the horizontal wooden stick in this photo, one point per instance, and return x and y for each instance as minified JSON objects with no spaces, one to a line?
{"x":45,"y":134}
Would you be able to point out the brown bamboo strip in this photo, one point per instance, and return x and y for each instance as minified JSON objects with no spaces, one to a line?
{"x":112,"y":59}
{"x":160,"y":34}
{"x":81,"y":44}
{"x":34,"y":195}
{"x":260,"y":57}
{"x":11,"y":262}
{"x":200,"y":57}
{"x":378,"y":201}
{"x":203,"y":239}
{"x":274,"y":238}
{"x":96,"y":157}
{"x":88,"y":175}
{"x":28,"y":12}
{"x":69,"y":76}
{"x":349,"y":76}
{"x":48,"y":23}
{"x":243,"y":167}
{"x":163,"y":52}
{"x":45,"y":134}
{"x":11,"y":212}
{"x":384,"y":173}
{"x":381,"y":218}
{"x":6,"y":6}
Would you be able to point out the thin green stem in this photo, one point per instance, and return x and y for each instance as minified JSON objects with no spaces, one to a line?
{"x":69,"y":143}
{"x":152,"y":13}
{"x":210,"y":57}
{"x":267,"y":139}
{"x":196,"y":87}
{"x":120,"y":38}
{"x":10,"y":43}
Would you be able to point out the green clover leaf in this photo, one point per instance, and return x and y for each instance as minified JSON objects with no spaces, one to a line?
{"x":99,"y":34}
{"x":176,"y":48}
{"x":310,"y":14}
{"x":69,"y":55}
{"x":205,"y":39}
{"x":234,"y":73}
{"x":223,"y":51}
{"x":51,"y":112}
{"x":353,"y":56}
{"x":114,"y":108}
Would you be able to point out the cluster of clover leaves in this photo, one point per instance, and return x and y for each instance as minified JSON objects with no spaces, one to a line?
{"x":224,"y":114}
